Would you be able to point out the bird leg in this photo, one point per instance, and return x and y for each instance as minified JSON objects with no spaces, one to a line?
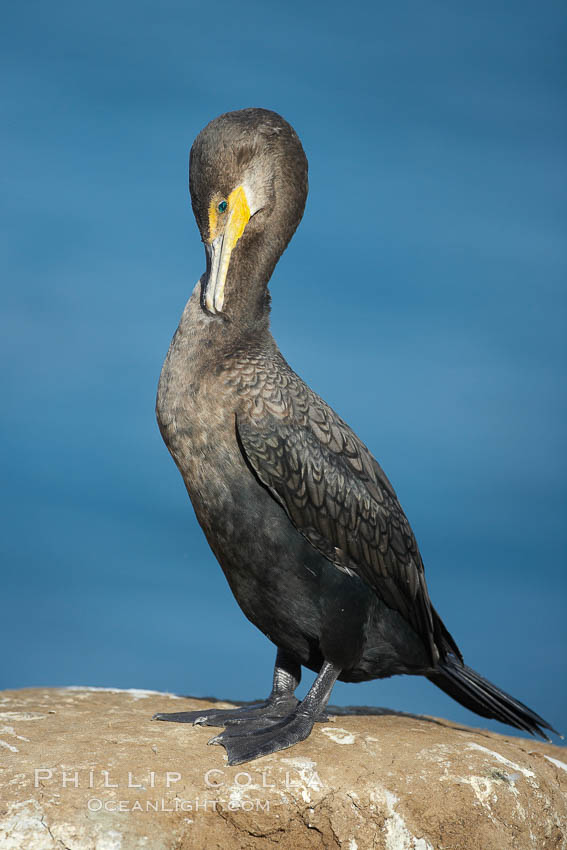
{"x":245,"y":742}
{"x":280,"y":703}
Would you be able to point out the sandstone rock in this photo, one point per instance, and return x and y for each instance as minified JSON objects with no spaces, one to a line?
{"x":87,"y":769}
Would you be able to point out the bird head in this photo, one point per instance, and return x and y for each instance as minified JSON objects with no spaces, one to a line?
{"x":248,"y":184}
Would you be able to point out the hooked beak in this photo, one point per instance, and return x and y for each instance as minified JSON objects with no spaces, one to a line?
{"x":225,"y":229}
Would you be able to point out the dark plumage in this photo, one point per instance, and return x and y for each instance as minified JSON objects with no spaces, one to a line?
{"x":303,"y":521}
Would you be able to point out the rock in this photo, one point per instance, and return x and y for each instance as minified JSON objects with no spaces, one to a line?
{"x":87,"y":769}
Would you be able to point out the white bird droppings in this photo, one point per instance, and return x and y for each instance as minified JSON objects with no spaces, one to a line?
{"x":338,"y":735}
{"x":135,"y":693}
{"x":397,"y":835}
{"x":21,"y":715}
{"x":556,"y":762}
{"x":111,"y":840}
{"x":523,"y":770}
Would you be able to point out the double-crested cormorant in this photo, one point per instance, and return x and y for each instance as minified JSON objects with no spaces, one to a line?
{"x":302,"y":519}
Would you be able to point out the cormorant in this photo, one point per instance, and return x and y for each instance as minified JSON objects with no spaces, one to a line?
{"x":302,"y":519}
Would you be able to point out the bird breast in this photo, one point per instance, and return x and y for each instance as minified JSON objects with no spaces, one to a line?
{"x":205,"y":382}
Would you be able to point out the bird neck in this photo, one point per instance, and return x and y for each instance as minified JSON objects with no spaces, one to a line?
{"x":246,"y":307}
{"x":247,"y":299}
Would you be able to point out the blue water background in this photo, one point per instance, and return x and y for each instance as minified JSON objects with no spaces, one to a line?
{"x":423,"y":297}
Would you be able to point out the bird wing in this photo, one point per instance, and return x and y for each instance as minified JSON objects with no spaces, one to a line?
{"x":338,"y":497}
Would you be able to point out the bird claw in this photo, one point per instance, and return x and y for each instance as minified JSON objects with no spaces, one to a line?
{"x":197,"y":718}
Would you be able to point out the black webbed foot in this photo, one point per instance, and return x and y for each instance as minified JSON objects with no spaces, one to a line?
{"x":247,"y":742}
{"x":273,"y":724}
{"x":280,"y":703}
{"x":263,"y":713}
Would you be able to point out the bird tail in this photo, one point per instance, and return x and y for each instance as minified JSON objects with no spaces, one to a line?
{"x":470,"y":689}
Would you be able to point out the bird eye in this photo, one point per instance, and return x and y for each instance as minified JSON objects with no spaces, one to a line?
{"x":222,"y":206}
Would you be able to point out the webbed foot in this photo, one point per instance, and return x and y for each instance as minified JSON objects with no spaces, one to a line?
{"x":245,"y":743}
{"x":265,"y":713}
